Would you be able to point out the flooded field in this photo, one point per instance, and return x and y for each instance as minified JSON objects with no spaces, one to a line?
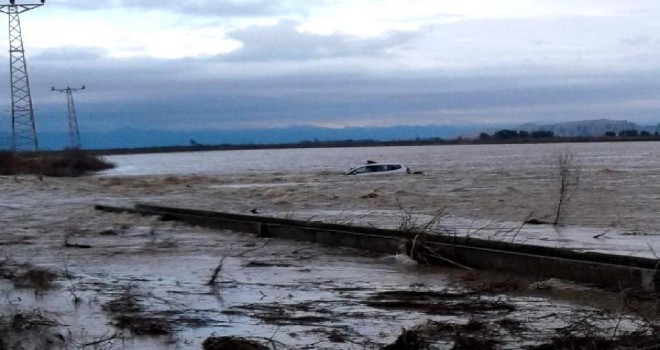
{"x":74,"y":278}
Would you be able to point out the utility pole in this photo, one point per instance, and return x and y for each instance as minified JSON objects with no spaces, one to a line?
{"x":24,"y":135}
{"x":74,"y":133}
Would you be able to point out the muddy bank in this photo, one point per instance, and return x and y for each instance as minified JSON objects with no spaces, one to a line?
{"x":144,"y":284}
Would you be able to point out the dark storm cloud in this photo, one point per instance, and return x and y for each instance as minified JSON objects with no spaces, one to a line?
{"x":478,"y":71}
{"x":158,"y":94}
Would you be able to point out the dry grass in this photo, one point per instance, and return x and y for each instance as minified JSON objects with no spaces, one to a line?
{"x":73,"y":162}
{"x":600,"y":342}
{"x":475,"y":335}
{"x":12,"y":165}
{"x":232,"y":343}
{"x":128,"y":313}
{"x":484,"y":282}
{"x":27,"y":330}
{"x":28,"y":276}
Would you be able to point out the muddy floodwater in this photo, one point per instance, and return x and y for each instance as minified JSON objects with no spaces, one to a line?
{"x":75,"y":278}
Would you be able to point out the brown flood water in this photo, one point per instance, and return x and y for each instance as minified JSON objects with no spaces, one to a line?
{"x":120,"y":279}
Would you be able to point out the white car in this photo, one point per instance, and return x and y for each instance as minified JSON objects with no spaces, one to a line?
{"x":379,"y":169}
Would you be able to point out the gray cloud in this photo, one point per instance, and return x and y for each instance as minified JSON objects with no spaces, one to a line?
{"x":476,"y":71}
{"x":158,"y":94}
{"x":217,"y":8}
{"x":636,"y":40}
{"x":72,"y":53}
{"x":283,"y":42}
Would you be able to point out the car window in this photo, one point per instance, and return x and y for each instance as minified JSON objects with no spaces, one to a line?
{"x":375,"y":168}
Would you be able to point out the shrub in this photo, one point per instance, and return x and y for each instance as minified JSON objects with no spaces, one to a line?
{"x":74,"y":162}
{"x":6,"y":163}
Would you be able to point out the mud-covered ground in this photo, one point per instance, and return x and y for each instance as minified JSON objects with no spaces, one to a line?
{"x":75,"y":278}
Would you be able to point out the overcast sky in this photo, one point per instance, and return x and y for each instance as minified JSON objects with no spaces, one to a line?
{"x":207,"y":64}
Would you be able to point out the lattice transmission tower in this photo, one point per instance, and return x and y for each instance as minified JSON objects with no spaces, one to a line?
{"x":24,"y":134}
{"x":74,"y":133}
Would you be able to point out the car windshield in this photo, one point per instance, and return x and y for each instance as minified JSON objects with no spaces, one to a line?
{"x":374,"y":168}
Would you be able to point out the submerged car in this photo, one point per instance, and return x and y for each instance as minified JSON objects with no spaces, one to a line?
{"x":379,"y":169}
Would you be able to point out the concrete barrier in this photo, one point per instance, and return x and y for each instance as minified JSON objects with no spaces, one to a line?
{"x":604,"y":270}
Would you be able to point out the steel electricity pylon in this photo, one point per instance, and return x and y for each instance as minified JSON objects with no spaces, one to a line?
{"x":24,"y":134}
{"x":74,"y":133}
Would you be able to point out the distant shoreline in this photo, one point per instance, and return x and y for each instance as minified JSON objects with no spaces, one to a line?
{"x":364,"y":143}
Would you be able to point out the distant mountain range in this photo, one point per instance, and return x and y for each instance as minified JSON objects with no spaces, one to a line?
{"x":136,"y":138}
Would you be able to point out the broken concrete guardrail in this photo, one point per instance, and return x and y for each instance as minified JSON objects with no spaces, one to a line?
{"x":604,"y":270}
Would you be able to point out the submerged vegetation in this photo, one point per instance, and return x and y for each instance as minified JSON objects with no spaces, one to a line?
{"x":74,"y":162}
{"x":11,"y":164}
{"x":71,"y":162}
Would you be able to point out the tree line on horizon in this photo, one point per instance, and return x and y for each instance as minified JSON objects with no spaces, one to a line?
{"x":510,"y":134}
